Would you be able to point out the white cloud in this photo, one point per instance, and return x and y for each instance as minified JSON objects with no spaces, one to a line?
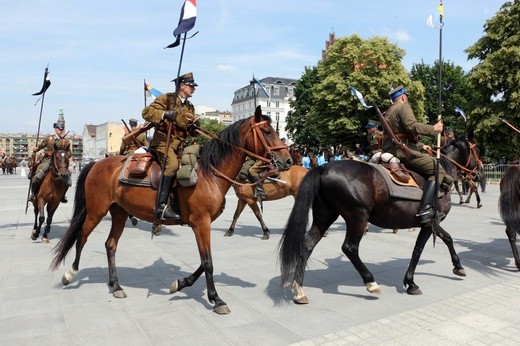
{"x":222,"y":67}
{"x":401,"y":36}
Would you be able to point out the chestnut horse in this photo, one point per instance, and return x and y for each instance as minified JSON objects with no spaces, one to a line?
{"x":99,"y":191}
{"x":357,"y":191}
{"x":52,"y":189}
{"x":509,"y":206}
{"x":287,"y":183}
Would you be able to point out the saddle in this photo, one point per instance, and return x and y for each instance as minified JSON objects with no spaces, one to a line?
{"x":396,"y":170}
{"x":141,"y":170}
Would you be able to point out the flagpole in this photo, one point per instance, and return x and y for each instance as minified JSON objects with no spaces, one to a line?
{"x":144,"y":91}
{"x":438,"y":158}
{"x":254,"y":89}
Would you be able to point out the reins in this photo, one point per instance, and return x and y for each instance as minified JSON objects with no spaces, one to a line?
{"x":472,"y":153}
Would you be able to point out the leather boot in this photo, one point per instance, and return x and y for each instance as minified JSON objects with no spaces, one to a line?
{"x":426,"y":212}
{"x":260,"y":192}
{"x":163,"y":210}
{"x":34,"y":190}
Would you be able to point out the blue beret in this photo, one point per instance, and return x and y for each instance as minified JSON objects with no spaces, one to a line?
{"x":371,"y":124}
{"x":397,"y":92}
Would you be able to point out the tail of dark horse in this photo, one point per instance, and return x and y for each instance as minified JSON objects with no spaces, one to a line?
{"x":292,"y":245}
{"x":78,"y":218}
{"x":510,"y":198}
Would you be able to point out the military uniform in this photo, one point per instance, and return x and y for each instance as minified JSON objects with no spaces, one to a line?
{"x":407,"y":129}
{"x":374,"y":138}
{"x":180,"y":113}
{"x":138,"y":141}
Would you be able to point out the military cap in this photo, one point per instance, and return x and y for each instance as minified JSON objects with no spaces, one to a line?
{"x":395,"y":92}
{"x":186,"y":78}
{"x":371,"y":124}
{"x":448,"y":130}
{"x":132,"y":121}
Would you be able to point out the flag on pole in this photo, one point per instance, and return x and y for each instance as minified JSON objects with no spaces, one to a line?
{"x":46,"y":82}
{"x":186,"y":21}
{"x":261,"y":87}
{"x":359,"y":96}
{"x":429,"y":21}
{"x":151,"y":91}
{"x":441,"y":10}
{"x":461,"y":112}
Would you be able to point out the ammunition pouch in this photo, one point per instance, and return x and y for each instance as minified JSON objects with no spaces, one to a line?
{"x":139,"y":164}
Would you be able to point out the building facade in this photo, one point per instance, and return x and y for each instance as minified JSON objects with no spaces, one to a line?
{"x":274,"y":99}
{"x":20,"y":145}
{"x":102,"y":140}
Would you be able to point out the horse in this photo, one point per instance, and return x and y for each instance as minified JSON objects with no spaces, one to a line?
{"x":357,"y":191}
{"x":286,"y":183}
{"x":508,"y":203}
{"x":52,"y":189}
{"x":9,"y":164}
{"x":296,"y":156}
{"x":99,"y":191}
{"x":470,"y":172}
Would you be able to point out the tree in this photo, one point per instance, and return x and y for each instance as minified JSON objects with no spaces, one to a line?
{"x":332,"y":114}
{"x":210,"y":125}
{"x":496,"y":78}
{"x":455,"y":92}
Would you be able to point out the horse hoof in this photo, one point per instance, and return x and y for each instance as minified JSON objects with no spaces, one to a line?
{"x":265,"y":237}
{"x":479,"y":206}
{"x":174,"y":287}
{"x":301,"y":300}
{"x":373,"y":287}
{"x":459,"y":271}
{"x":45,"y":241}
{"x":414,"y":291}
{"x":229,"y":233}
{"x":156,"y":230}
{"x":119,"y":294}
{"x":134,"y":221}
{"x":222,"y":309}
{"x":34,"y":236}
{"x":395,"y":231}
{"x":68,"y":277}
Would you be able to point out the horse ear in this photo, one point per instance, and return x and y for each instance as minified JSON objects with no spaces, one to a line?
{"x":471,"y":135}
{"x":258,"y":114}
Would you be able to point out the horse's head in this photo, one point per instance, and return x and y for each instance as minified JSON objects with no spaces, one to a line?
{"x":261,"y":139}
{"x":60,"y":163}
{"x":462,"y":153}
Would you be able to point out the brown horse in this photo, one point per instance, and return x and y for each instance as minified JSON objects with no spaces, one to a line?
{"x":98,"y":191}
{"x":509,"y":207}
{"x":52,"y":189}
{"x":9,"y":164}
{"x":287,"y":183}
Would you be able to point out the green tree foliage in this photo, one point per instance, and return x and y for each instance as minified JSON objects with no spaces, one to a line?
{"x":210,"y":125}
{"x":331,"y":114}
{"x":496,"y":78}
{"x":455,"y":92}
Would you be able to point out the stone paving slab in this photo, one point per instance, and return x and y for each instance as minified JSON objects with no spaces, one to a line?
{"x":35,"y":309}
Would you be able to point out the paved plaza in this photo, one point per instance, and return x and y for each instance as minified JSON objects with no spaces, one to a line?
{"x":36,"y":309}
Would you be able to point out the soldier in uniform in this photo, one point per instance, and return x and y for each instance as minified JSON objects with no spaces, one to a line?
{"x":406,"y":128}
{"x":374,"y":137}
{"x":139,"y":141}
{"x":57,"y":140}
{"x":177,"y":110}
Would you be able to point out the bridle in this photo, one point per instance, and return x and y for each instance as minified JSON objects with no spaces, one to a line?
{"x":54,"y":166}
{"x":472,"y":154}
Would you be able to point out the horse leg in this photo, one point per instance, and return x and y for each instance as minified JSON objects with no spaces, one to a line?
{"x":203,"y":237}
{"x":355,"y":230}
{"x":422,"y":238}
{"x":119,"y":216}
{"x":40,"y":216}
{"x":458,"y":269}
{"x":240,"y":207}
{"x":35,"y":231}
{"x":51,"y":209}
{"x":457,"y":188}
{"x":511,"y":236}
{"x":258,"y":214}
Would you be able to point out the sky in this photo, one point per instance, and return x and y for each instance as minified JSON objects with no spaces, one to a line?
{"x":100,"y":52}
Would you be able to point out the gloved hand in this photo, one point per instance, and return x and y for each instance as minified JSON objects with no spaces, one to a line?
{"x":170,"y":115}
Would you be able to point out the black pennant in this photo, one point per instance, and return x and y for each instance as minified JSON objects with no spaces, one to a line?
{"x":46,"y":83}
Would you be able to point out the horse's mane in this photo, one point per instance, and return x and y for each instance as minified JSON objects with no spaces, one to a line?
{"x":215,"y":150}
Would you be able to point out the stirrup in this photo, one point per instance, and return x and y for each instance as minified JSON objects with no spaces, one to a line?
{"x":425,"y":216}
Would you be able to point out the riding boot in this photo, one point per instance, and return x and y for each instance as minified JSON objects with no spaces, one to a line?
{"x":260,"y":192}
{"x":163,"y":210}
{"x":69,"y":184}
{"x":426,"y":212}
{"x":35,"y":186}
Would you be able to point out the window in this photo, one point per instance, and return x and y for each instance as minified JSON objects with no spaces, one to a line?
{"x":276,"y":90}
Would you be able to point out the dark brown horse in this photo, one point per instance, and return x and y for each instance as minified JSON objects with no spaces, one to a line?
{"x":286,"y":184}
{"x":52,"y":189}
{"x":509,"y":207}
{"x":357,"y":192}
{"x":99,"y":191}
{"x":9,"y":164}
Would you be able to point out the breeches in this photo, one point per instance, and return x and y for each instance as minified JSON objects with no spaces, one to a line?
{"x":425,"y":165}
{"x":172,"y":161}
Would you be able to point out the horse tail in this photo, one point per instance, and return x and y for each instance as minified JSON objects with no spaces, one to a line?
{"x":292,"y":244}
{"x":76,"y":224}
{"x":509,"y":199}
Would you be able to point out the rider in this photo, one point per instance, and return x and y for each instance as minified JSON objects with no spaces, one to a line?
{"x":48,"y":145}
{"x":139,"y":141}
{"x":374,"y":137}
{"x":177,"y":110}
{"x":406,"y":128}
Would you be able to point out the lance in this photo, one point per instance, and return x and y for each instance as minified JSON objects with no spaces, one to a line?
{"x":509,"y":124}
{"x":45,"y":86}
